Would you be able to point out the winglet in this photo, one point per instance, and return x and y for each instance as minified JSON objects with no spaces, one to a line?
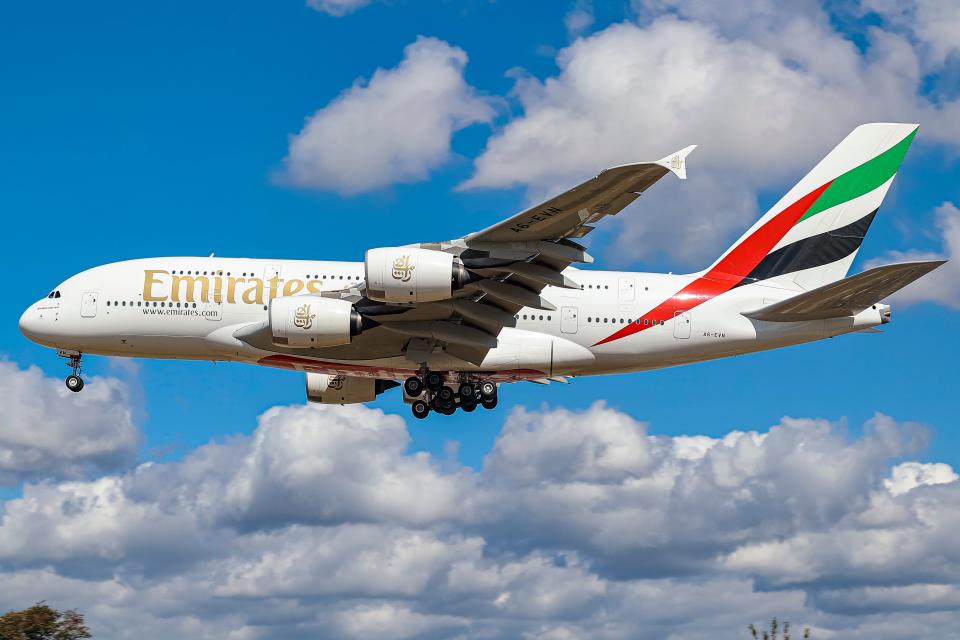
{"x":677,"y":161}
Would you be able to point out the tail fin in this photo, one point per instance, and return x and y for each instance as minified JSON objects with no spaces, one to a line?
{"x":812,"y":234}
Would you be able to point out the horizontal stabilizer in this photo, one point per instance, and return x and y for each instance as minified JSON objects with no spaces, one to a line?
{"x":845,"y":297}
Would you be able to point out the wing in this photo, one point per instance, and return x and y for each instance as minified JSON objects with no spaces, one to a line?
{"x":506,"y":267}
{"x":511,"y":262}
{"x":572,"y":213}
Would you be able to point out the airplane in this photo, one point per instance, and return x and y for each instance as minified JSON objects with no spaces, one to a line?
{"x":450,"y":322}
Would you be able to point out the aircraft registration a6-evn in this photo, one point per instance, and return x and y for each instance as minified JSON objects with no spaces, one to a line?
{"x":451,"y":321}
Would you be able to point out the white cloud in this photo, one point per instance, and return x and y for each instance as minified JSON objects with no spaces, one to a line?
{"x":396,"y":127}
{"x":943,"y":285}
{"x":47,"y":431}
{"x":579,"y":19}
{"x":337,"y":7}
{"x":911,"y":475}
{"x":748,"y":82}
{"x":577,"y":525}
{"x":934,"y":25}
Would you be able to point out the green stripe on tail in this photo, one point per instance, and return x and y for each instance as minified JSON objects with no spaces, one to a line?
{"x":863,"y":179}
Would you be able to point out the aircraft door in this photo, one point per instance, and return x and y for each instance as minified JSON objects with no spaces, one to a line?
{"x":626,"y":287}
{"x":681,"y":324}
{"x":88,"y":304}
{"x":568,"y":319}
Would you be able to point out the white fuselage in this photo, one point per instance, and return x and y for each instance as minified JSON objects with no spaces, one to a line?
{"x":190,"y":308}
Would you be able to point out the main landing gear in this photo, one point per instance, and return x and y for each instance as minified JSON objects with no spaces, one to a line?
{"x":429,"y":393}
{"x":74,"y":382}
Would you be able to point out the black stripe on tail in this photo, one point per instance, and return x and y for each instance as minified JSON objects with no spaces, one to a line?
{"x":814,"y":251}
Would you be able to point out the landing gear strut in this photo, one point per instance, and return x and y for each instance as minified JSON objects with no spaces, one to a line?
{"x":74,"y":382}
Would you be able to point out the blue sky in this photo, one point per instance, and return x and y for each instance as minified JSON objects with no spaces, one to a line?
{"x":132,"y":130}
{"x":133,"y":133}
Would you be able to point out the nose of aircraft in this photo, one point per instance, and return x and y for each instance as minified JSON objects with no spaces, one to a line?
{"x":30,"y":322}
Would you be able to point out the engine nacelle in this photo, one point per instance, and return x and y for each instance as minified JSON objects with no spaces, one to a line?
{"x":332,"y":389}
{"x":406,"y":274}
{"x":313,"y":321}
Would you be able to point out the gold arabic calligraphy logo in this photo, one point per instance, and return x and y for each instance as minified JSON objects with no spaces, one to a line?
{"x":402,"y":269}
{"x":302,"y":318}
{"x":336,"y":382}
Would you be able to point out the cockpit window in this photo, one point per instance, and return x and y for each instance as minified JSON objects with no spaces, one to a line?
{"x":56,"y":294}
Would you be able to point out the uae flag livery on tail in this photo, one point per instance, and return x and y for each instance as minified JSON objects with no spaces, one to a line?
{"x":811,"y":236}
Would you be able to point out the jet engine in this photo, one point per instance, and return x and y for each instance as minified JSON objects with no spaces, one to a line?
{"x":313,"y":321}
{"x":406,"y":274}
{"x":332,"y":389}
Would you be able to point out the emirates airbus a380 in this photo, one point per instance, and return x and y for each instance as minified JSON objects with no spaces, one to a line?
{"x":451,"y":321}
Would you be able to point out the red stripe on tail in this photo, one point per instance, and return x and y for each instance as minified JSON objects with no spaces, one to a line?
{"x":730,"y":270}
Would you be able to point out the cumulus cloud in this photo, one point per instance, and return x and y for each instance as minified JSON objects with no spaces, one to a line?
{"x":578,"y":524}
{"x":337,"y":7}
{"x":911,"y":475}
{"x":943,"y":285}
{"x":748,"y":82}
{"x":933,"y":25}
{"x":396,"y":127}
{"x":47,"y":431}
{"x":579,"y":19}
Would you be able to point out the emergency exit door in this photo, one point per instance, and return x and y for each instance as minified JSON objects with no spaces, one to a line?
{"x":568,"y":319}
{"x":626,"y":288}
{"x":88,"y":304}
{"x":681,"y":324}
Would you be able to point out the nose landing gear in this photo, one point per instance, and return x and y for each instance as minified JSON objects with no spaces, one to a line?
{"x":74,"y":382}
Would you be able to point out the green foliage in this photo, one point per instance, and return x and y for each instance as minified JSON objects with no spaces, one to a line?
{"x":42,"y":622}
{"x":775,"y":632}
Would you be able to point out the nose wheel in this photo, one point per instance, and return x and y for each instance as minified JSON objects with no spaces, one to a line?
{"x":74,"y":382}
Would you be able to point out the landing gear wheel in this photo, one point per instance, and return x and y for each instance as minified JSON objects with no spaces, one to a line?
{"x":488,"y":390}
{"x":434,"y":381}
{"x":74,"y":382}
{"x":489,"y":404}
{"x":413,"y":387}
{"x":420,"y":409}
{"x":467,"y":392}
{"x":449,"y":410}
{"x":445,"y":395}
{"x":468,"y":406}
